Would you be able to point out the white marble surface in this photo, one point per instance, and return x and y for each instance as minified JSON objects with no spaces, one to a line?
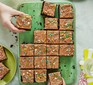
{"x":84,"y":30}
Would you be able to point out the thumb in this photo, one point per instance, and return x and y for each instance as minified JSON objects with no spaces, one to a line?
{"x":18,"y":13}
{"x":63,"y":82}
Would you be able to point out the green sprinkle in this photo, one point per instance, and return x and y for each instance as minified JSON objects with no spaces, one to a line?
{"x":50,"y":74}
{"x":60,"y":13}
{"x":61,"y":32}
{"x":69,"y":28}
{"x":46,"y":49}
{"x":51,"y":64}
{"x":67,"y":36}
{"x":47,"y":61}
{"x":38,"y":75}
{"x":39,"y":52}
{"x":51,"y":34}
{"x":26,"y":63}
{"x":44,"y":74}
{"x":43,"y":60}
{"x":52,"y":21}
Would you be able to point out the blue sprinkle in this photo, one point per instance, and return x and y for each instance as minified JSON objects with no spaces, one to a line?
{"x":47,"y":61}
{"x":50,"y":74}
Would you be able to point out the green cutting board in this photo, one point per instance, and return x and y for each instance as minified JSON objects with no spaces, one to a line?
{"x":67,"y":64}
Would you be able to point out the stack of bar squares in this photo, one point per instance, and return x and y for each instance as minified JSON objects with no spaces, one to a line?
{"x":66,"y":16}
{"x":3,"y":69}
{"x":50,"y":44}
{"x":32,"y":65}
{"x":59,"y":31}
{"x":34,"y":61}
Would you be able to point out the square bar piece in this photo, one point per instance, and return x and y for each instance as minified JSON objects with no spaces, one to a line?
{"x":24,"y":22}
{"x":66,"y":11}
{"x":40,"y":49}
{"x":66,"y":37}
{"x":39,"y":36}
{"x":51,"y":23}
{"x":2,"y":54}
{"x":66,"y":50}
{"x":49,"y":9}
{"x":26,"y":62}
{"x":52,"y":49}
{"x":55,"y":78}
{"x":3,"y":71}
{"x":66,"y":24}
{"x":52,"y":62}
{"x":27,"y":76}
{"x":40,"y":62}
{"x":26,"y":50}
{"x":52,"y":36}
{"x":40,"y":75}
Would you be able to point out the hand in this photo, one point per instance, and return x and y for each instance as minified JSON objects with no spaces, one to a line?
{"x":6,"y":13}
{"x":63,"y":82}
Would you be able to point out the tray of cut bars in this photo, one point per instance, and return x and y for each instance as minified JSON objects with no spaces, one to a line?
{"x":47,"y":50}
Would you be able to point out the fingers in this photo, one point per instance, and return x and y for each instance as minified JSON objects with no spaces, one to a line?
{"x":11,"y":27}
{"x":18,"y":13}
{"x":63,"y":82}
